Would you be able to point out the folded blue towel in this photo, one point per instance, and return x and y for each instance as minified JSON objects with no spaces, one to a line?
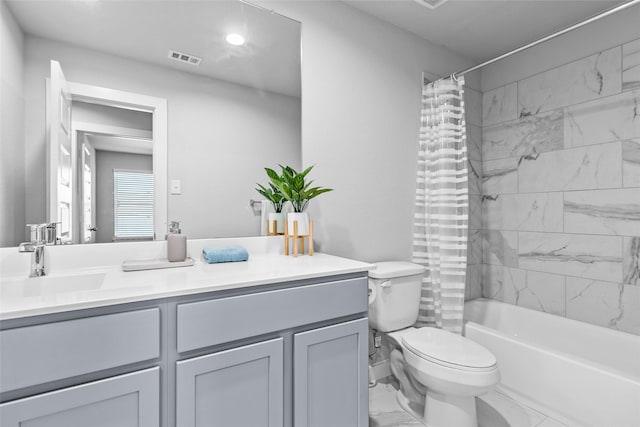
{"x":225,"y":254}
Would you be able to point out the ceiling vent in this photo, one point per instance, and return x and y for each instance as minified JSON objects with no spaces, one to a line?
{"x":184,"y":57}
{"x":431,"y":4}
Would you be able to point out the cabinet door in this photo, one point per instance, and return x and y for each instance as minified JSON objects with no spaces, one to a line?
{"x":238,"y":387}
{"x":330,"y":376}
{"x":131,"y":400}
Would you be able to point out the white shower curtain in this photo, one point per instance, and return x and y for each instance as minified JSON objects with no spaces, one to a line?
{"x":442,"y":205}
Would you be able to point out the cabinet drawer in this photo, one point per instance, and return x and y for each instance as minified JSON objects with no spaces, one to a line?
{"x":53,"y":351}
{"x":207,"y":323}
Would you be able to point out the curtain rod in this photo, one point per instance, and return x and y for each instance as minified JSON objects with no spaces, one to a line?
{"x":550,"y":36}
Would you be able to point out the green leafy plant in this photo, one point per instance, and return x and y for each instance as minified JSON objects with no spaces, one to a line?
{"x":294,"y":187}
{"x":273,"y":195}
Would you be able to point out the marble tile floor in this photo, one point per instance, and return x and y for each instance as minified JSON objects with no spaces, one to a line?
{"x":384,"y":411}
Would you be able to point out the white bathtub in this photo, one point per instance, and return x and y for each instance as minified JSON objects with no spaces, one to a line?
{"x":578,"y":373}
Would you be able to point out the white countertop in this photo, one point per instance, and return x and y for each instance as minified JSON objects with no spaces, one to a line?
{"x":103,"y":285}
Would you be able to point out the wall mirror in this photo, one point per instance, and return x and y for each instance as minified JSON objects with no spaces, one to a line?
{"x":139,"y":73}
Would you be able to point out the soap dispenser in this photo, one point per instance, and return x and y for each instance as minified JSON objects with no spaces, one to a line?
{"x":176,"y":243}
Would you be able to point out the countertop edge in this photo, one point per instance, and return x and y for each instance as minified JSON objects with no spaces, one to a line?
{"x":8,"y":315}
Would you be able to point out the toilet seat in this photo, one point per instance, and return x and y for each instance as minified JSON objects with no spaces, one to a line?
{"x":448,"y":349}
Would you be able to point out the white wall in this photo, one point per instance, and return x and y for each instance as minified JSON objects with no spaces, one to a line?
{"x":221,"y":135}
{"x":361,"y":93}
{"x":595,"y":37}
{"x":12,"y":198}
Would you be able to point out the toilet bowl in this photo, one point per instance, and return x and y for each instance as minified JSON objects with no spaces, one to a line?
{"x":454,"y":371}
{"x":452,"y":368}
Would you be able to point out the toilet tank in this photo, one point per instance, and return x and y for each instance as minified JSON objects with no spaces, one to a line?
{"x":394,"y":299}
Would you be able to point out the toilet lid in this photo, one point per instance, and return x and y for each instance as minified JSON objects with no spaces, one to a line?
{"x":393,"y":269}
{"x":448,"y":349}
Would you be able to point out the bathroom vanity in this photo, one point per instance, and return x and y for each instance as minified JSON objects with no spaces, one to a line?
{"x":269,"y":342}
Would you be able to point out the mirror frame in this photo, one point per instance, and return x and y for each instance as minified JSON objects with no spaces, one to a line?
{"x":133,"y":101}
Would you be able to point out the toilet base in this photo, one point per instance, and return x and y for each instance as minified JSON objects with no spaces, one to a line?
{"x":408,"y":407}
{"x":442,"y":410}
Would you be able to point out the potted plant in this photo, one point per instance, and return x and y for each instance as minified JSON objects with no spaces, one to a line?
{"x":295,"y":189}
{"x":277,"y":200}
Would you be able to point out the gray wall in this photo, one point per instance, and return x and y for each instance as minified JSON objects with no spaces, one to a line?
{"x":361,"y":103}
{"x":561,"y":191}
{"x":361,"y":89}
{"x":220,"y":135}
{"x":473,"y":117}
{"x":12,"y":197}
{"x":106,"y":162}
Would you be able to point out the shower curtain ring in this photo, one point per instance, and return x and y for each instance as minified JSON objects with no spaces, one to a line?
{"x":454,"y":77}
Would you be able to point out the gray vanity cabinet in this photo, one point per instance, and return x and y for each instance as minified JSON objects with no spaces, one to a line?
{"x":238,"y":387}
{"x":279,"y":355}
{"x":330,"y":368}
{"x":309,"y":370}
{"x":130,"y":400}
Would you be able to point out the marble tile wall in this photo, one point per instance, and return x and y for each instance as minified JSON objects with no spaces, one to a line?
{"x":631,"y":163}
{"x":593,"y":77}
{"x":560,"y":190}
{"x":631,"y":65}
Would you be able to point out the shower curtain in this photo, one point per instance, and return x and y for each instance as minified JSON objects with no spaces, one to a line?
{"x":441,"y":213}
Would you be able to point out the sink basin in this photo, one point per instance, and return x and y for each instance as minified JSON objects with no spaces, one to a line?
{"x":50,"y":285}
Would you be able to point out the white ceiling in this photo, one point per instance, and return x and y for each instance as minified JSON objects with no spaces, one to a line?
{"x":483,"y":29}
{"x":146,"y":30}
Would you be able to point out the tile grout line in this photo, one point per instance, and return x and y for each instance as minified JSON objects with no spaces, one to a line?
{"x":558,"y":274}
{"x":510,"y":193}
{"x":557,"y":232}
{"x":578,"y":147}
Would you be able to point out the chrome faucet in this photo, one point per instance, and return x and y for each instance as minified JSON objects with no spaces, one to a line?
{"x":41,"y":235}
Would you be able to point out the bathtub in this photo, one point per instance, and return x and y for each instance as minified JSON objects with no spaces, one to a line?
{"x":580,"y":374}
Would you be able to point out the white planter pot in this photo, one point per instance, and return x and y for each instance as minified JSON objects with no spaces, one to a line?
{"x":303,"y":222}
{"x":278,"y":217}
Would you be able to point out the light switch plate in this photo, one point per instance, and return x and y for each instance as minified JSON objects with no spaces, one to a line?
{"x":176,"y":186}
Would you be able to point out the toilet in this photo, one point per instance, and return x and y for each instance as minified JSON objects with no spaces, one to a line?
{"x":450,"y":370}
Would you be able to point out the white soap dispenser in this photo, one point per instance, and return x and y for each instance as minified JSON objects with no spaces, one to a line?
{"x":176,"y":243}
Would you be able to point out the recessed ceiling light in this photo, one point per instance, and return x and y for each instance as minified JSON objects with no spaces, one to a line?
{"x":235,"y":39}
